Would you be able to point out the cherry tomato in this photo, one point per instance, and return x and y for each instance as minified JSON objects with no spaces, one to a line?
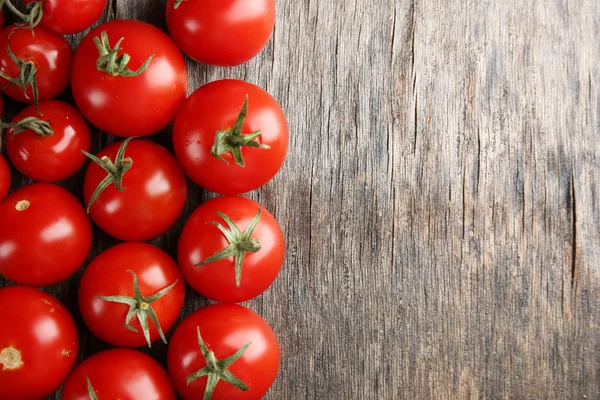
{"x":118,"y":374}
{"x":221,"y":32}
{"x":235,"y":335}
{"x":235,"y":265}
{"x":70,"y":16}
{"x":47,"y":147}
{"x":129,"y":97}
{"x":230,"y":136}
{"x":38,"y":343}
{"x":131,"y":277}
{"x":146,"y":193}
{"x":49,"y":53}
{"x":45,"y":235}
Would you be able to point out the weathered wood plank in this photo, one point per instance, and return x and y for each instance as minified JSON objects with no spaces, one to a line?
{"x":439,"y":201}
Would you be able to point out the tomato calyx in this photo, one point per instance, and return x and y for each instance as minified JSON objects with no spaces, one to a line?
{"x":115,"y":171}
{"x":177,"y":3}
{"x":232,"y":140}
{"x":239,"y":243}
{"x":139,"y":306}
{"x":33,"y":18}
{"x":27,"y":76}
{"x":115,"y":65}
{"x":34,"y":124}
{"x":217,"y":370}
{"x":90,"y":388}
{"x":10,"y":359}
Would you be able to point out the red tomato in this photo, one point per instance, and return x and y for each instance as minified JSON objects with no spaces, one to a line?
{"x":235,"y":267}
{"x":221,"y":32}
{"x":136,"y":101}
{"x":235,"y":335}
{"x":222,"y":148}
{"x":50,"y":55}
{"x":147,"y":194}
{"x":45,"y":235}
{"x":114,"y":273}
{"x":70,"y":16}
{"x":118,"y":374}
{"x":4,"y":177}
{"x":38,"y":343}
{"x":47,"y":147}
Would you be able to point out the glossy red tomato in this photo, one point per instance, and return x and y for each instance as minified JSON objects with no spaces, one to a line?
{"x":136,"y":101}
{"x":238,"y":337}
{"x":45,"y":235}
{"x":222,"y":146}
{"x":131,"y":277}
{"x":221,"y":32}
{"x":232,"y":267}
{"x":47,"y":147}
{"x":38,"y":343}
{"x":118,"y":374}
{"x":152,"y":196}
{"x":49,"y":53}
{"x":70,"y":16}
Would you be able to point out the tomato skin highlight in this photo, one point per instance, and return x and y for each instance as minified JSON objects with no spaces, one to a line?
{"x":50,"y":158}
{"x":107,"y":275}
{"x":216,"y":106}
{"x":67,"y":17}
{"x":119,"y":374}
{"x":221,"y":33}
{"x":130,"y":106}
{"x":225,"y":329}
{"x":51,"y":54}
{"x":200,"y":239}
{"x":154,"y":196}
{"x":43,"y":331}
{"x":45,"y":235}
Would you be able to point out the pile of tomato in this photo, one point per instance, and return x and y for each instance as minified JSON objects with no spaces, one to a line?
{"x":129,"y":79}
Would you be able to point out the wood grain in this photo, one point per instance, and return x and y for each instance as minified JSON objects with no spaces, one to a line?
{"x":440,"y":198}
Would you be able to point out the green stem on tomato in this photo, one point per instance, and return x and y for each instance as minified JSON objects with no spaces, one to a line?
{"x":91,"y":391}
{"x":232,"y":140}
{"x":115,"y":171}
{"x":113,"y":64}
{"x":140,"y":307}
{"x":34,"y":124}
{"x":27,"y":76}
{"x":239,"y":243}
{"x":33,"y":18}
{"x":217,"y":370}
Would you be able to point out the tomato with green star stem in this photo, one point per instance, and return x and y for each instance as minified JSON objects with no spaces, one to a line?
{"x":223,"y":352}
{"x":129,"y":78}
{"x":35,"y":64}
{"x":230,"y":136}
{"x":131,"y":294}
{"x":134,"y":190}
{"x":38,"y":343}
{"x":47,"y":148}
{"x":45,"y":235}
{"x":118,"y":374}
{"x":231,"y":249}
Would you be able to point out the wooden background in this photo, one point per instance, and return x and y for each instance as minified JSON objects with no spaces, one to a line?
{"x":440,"y":198}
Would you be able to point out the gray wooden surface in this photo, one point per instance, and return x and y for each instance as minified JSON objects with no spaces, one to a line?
{"x":440,"y":198}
